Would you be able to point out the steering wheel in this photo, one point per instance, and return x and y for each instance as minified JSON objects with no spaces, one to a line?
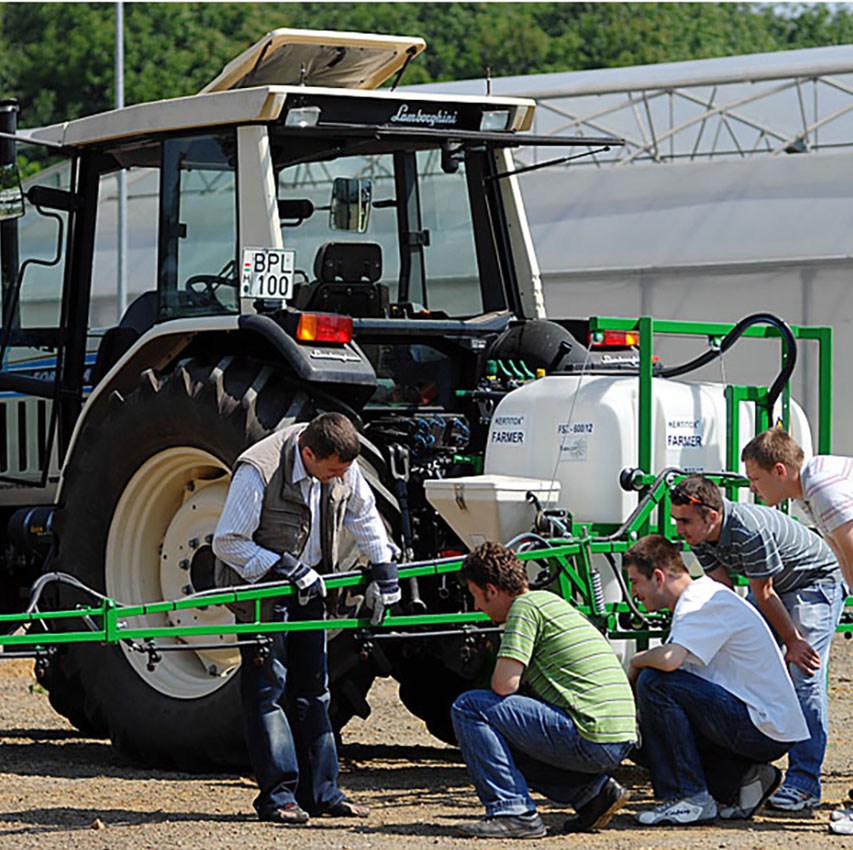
{"x":207,"y":284}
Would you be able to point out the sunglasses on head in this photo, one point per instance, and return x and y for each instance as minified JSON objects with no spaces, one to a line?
{"x":677,"y":497}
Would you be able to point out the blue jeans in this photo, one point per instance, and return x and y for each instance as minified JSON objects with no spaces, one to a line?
{"x":286,"y":716}
{"x":815,"y":611}
{"x":501,"y":736}
{"x":698,"y":736}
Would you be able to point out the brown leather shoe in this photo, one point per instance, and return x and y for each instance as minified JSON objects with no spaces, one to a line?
{"x":347,"y":809}
{"x":289,"y":813}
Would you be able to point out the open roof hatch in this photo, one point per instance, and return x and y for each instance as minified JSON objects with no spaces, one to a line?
{"x":335,"y":59}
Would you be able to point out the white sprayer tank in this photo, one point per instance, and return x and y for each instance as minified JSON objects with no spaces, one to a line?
{"x":581,"y":431}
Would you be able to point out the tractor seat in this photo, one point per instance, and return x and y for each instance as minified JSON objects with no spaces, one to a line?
{"x":346,"y":281}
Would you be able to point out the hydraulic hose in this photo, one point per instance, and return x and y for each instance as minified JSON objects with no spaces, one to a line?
{"x":729,"y":340}
{"x":626,"y":595}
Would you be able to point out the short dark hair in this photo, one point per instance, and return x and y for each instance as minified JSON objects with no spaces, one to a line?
{"x":654,"y":552}
{"x":494,"y":563}
{"x":697,"y":490}
{"x":773,"y":446}
{"x":331,"y":434}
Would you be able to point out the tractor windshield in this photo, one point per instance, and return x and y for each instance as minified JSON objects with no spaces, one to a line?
{"x":420,"y":244}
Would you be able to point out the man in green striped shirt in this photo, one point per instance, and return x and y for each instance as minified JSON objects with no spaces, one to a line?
{"x":574,"y":721}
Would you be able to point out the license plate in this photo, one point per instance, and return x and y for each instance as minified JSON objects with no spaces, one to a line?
{"x":267,"y":273}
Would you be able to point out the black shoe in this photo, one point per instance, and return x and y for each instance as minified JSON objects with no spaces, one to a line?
{"x":528,"y":825}
{"x":597,"y":812}
{"x":347,"y":809}
{"x":289,"y":813}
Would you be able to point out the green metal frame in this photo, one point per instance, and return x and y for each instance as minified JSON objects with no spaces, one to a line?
{"x":568,"y":561}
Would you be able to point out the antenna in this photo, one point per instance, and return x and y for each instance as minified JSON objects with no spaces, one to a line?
{"x":488,"y":81}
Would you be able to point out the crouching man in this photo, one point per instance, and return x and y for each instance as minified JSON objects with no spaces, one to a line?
{"x":716,"y":702}
{"x":576,"y":722}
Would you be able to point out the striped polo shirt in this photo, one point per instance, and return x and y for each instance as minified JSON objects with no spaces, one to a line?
{"x":827,"y":482}
{"x":570,"y":665}
{"x":760,"y":542}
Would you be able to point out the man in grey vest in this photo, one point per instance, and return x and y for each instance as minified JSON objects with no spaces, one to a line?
{"x":291,"y":495}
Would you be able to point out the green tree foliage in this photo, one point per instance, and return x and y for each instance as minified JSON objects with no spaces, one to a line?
{"x":58,"y":57}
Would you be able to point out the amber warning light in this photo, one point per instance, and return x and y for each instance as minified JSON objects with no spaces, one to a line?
{"x":319,"y":327}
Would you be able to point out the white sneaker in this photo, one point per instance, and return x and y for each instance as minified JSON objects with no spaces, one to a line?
{"x":842,"y":827}
{"x":688,"y":811}
{"x":759,"y":783}
{"x":791,"y":799}
{"x":842,"y":814}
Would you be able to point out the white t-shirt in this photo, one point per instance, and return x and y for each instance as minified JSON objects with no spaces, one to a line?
{"x":729,"y":644}
{"x":827,"y":482}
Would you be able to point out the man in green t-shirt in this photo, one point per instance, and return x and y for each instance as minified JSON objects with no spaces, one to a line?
{"x":575,"y":721}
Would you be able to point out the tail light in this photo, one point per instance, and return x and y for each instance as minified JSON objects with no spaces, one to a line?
{"x":614,"y":339}
{"x":322,"y":327}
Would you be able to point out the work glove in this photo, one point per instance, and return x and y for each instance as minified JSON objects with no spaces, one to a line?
{"x":307,"y":580}
{"x":382,"y":592}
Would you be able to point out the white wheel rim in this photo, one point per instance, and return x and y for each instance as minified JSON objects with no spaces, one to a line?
{"x":158,"y":548}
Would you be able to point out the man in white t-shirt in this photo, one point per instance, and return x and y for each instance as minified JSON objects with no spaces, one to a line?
{"x":777,"y":470}
{"x":716,"y":703}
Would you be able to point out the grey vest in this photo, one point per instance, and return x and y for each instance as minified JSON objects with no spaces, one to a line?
{"x":285,"y":523}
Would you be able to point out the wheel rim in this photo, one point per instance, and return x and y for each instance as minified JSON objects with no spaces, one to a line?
{"x":158,"y":548}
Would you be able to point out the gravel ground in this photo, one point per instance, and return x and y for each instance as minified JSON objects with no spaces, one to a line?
{"x":60,"y":790}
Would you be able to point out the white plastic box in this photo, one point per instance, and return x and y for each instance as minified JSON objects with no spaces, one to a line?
{"x":489,"y":507}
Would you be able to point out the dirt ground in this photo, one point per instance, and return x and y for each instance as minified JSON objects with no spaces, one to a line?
{"x":60,"y":790}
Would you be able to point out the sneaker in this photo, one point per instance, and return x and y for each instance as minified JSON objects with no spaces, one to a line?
{"x":688,"y":811}
{"x":597,"y":812}
{"x":791,"y":799}
{"x":842,"y":827}
{"x":759,"y":783}
{"x":528,"y":825}
{"x":842,"y":814}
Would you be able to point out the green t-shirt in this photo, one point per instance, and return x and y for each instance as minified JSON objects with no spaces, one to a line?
{"x":569,"y":664}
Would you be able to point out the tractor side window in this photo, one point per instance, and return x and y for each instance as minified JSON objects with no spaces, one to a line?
{"x":197,"y":268}
{"x":40,"y":300}
{"x":140,"y":263}
{"x":452,"y":272}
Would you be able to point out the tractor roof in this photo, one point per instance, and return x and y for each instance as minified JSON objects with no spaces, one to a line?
{"x":271,"y":76}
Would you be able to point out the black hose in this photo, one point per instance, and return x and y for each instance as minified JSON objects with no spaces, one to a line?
{"x":729,"y":340}
{"x":626,"y":595}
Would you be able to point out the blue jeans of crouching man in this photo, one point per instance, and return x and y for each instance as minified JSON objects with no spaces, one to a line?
{"x":286,"y":716}
{"x":698,"y":736}
{"x":508,"y":742}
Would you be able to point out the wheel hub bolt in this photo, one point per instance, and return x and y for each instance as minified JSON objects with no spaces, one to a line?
{"x":187,"y":589}
{"x":193,"y":544}
{"x":184,"y":564}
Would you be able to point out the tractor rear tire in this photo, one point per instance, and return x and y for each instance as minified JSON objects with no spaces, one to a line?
{"x":141,"y":497}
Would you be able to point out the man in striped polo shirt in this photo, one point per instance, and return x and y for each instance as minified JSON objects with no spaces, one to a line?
{"x":795,"y":582}
{"x":560,"y":712}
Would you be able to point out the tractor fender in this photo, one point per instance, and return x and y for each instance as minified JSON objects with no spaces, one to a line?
{"x":163,"y":344}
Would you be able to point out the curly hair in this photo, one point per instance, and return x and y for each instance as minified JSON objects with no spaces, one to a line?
{"x":494,"y":563}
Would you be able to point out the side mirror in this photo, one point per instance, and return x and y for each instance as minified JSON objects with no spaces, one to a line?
{"x":11,"y":194}
{"x":350,"y":207}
